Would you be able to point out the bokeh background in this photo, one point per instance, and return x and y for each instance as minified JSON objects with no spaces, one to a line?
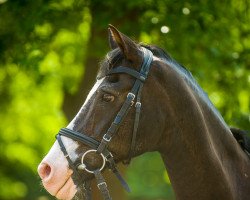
{"x":49,"y":56}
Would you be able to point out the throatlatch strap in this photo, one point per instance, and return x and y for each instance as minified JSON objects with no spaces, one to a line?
{"x":113,"y":168}
{"x":121,"y":179}
{"x":136,"y":124}
{"x":102,"y":185}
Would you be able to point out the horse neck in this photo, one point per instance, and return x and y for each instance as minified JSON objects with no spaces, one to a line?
{"x":199,"y":150}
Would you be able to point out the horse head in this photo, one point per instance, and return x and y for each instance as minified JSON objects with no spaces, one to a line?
{"x":122,"y":106}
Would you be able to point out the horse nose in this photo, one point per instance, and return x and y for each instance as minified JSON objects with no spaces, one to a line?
{"x":45,"y":171}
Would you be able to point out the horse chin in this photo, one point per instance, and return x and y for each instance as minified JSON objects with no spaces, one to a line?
{"x":67,"y":191}
{"x":79,"y":182}
{"x":79,"y":194}
{"x":80,"y":179}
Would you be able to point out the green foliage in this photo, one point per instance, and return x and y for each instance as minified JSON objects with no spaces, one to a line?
{"x":148,"y":178}
{"x":43,"y":48}
{"x":39,"y":61}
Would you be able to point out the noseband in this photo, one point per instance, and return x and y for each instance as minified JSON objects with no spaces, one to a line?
{"x":101,"y":148}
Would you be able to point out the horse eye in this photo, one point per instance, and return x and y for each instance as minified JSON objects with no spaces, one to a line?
{"x":108,"y":97}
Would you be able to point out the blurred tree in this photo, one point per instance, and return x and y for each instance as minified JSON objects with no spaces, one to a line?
{"x":49,"y":55}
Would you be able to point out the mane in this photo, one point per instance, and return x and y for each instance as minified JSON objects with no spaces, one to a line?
{"x":165,"y":56}
{"x":182,"y":71}
{"x":187,"y":75}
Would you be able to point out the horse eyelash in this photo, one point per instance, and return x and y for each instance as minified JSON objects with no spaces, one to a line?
{"x":110,"y":63}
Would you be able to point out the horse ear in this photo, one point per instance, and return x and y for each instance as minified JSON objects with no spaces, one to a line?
{"x":112,"y":42}
{"x":128,"y":47}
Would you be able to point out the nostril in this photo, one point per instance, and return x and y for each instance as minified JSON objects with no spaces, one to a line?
{"x":44,"y":170}
{"x":47,"y":170}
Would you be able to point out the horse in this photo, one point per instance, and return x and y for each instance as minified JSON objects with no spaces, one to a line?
{"x":144,"y":101}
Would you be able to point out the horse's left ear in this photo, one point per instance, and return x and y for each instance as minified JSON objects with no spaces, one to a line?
{"x":128,"y":47}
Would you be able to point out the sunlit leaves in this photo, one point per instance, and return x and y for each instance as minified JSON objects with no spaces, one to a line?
{"x":43,"y":30}
{"x":244,"y":101}
{"x":42,"y":61}
{"x":148,"y":178}
{"x":11,"y":188}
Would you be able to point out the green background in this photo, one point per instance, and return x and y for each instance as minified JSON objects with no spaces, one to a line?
{"x":49,"y":55}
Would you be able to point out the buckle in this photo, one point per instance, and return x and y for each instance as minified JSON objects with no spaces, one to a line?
{"x":131,"y":96}
{"x":99,"y":185}
{"x":138,"y":104}
{"x":109,"y":156}
{"x":142,"y":78}
{"x":106,"y":138}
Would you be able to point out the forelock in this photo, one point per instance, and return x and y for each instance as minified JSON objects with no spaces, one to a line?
{"x":108,"y":62}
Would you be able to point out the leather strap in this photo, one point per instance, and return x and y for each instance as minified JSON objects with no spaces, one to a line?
{"x":113,"y":168}
{"x":102,"y":185}
{"x":126,"y":70}
{"x":86,"y":185}
{"x":116,"y":123}
{"x":136,"y":124}
{"x":91,"y":142}
{"x":66,"y":155}
{"x":87,"y":190}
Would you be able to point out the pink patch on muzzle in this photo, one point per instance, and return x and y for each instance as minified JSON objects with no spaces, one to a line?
{"x":56,"y":175}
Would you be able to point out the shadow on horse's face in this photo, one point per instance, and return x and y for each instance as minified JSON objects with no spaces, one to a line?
{"x":103,"y":104}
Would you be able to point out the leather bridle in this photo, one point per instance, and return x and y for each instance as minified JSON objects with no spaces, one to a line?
{"x":101,"y":148}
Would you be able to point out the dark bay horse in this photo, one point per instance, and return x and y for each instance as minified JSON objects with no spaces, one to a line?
{"x":170,"y":114}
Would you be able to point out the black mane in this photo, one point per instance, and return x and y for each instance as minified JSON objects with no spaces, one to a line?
{"x":242,"y":138}
{"x":165,"y":56}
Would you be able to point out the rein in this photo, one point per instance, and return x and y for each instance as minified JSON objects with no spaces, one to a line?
{"x":101,"y":148}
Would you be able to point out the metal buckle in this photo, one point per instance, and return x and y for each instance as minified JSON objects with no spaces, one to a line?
{"x":131,"y":95}
{"x":105,"y":138}
{"x":109,"y":157}
{"x":103,"y":160}
{"x":142,"y":78}
{"x":102,"y":183}
{"x":138,"y":104}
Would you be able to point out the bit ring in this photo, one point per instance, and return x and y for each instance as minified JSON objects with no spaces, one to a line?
{"x":84,"y":155}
